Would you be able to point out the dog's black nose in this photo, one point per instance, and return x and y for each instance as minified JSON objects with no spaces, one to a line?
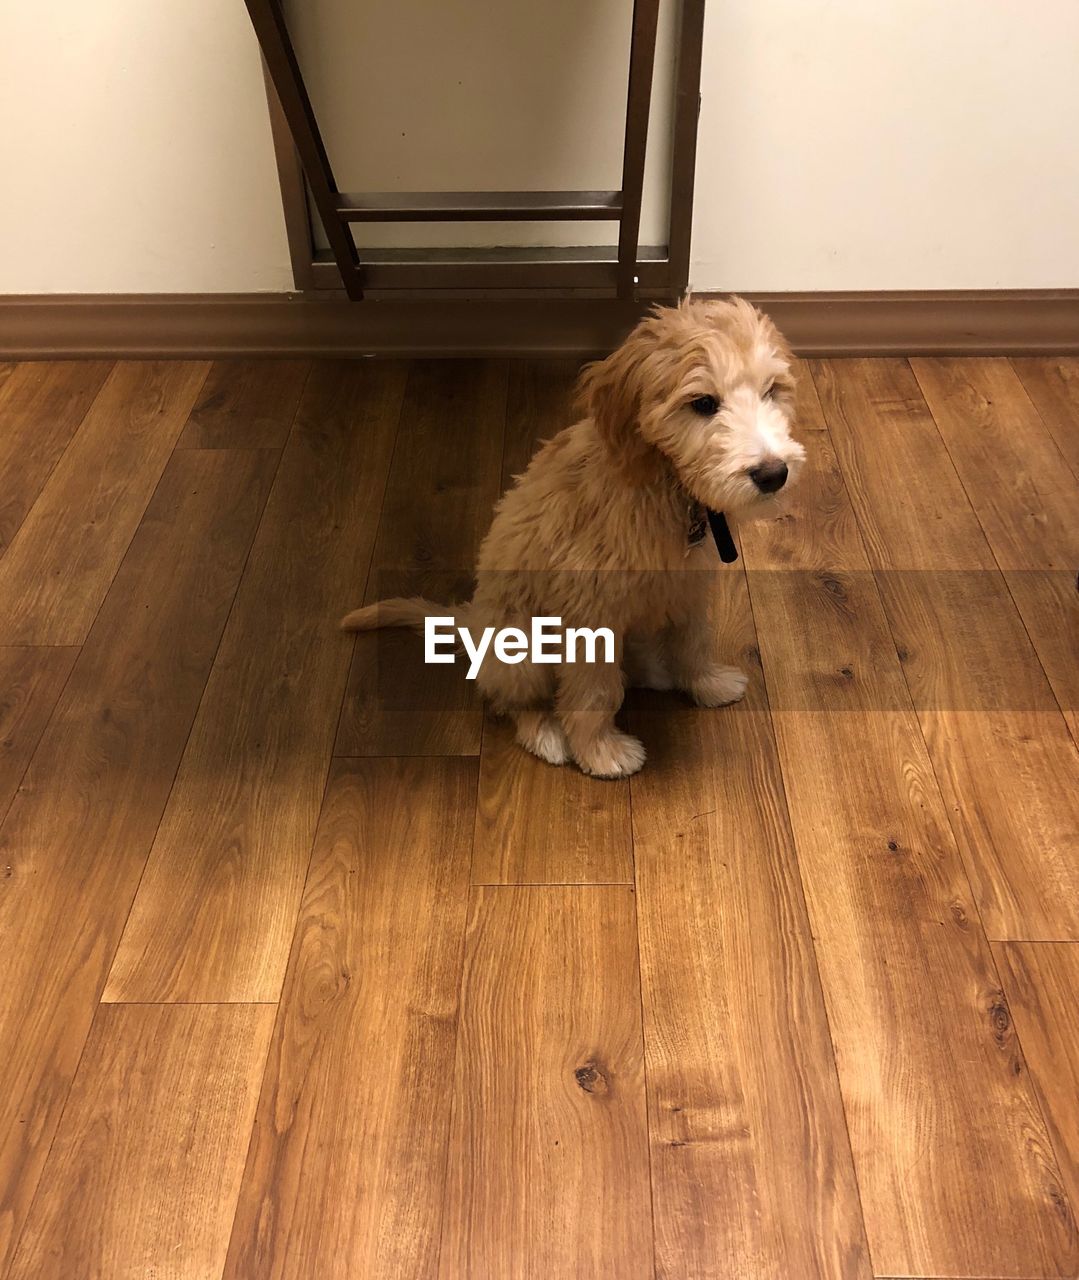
{"x":769,"y":477}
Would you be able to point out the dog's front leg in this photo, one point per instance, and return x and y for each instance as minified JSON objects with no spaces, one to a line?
{"x":708,"y":683}
{"x":588,"y":700}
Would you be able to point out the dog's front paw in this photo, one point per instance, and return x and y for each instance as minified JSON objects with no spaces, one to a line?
{"x":718,"y":687}
{"x":541,"y":734}
{"x":612,"y":755}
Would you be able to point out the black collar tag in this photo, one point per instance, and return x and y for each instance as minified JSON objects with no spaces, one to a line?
{"x":702,"y":518}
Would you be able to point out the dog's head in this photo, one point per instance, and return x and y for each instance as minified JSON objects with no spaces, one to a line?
{"x":707,"y":388}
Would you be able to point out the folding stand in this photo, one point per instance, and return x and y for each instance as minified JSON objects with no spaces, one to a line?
{"x":623,"y":270}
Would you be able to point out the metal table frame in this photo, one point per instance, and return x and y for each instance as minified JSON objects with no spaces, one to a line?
{"x":624,"y":270}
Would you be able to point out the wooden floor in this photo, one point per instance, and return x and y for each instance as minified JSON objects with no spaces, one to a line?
{"x":302,"y":977}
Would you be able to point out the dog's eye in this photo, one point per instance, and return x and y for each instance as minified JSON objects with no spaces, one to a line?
{"x":706,"y":406}
{"x":769,"y":391}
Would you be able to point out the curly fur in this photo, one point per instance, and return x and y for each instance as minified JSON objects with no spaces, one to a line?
{"x":595,"y":530}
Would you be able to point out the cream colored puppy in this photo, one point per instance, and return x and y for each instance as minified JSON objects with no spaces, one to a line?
{"x":694,"y":409}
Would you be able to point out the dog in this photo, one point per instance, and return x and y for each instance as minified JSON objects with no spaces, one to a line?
{"x":693,"y":411}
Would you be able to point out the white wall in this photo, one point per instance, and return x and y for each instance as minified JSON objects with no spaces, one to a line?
{"x":135,"y":150}
{"x":844,"y":144}
{"x":889,"y":144}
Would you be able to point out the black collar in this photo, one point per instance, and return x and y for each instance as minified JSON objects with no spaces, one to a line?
{"x":699,"y":514}
{"x":721,"y":534}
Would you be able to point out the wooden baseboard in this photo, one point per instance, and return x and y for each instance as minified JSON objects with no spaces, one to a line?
{"x":971,"y":322}
{"x":295,"y":325}
{"x":821,"y":324}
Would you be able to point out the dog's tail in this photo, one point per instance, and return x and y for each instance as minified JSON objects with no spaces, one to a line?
{"x":400,"y":612}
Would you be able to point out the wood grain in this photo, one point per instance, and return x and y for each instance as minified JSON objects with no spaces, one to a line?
{"x":443,"y":485}
{"x":815,"y":1025}
{"x":346,"y":1170}
{"x":537,"y":824}
{"x":808,"y":415}
{"x":539,"y":404}
{"x":215,"y":912}
{"x":1001,"y":750}
{"x":751,"y":1168}
{"x":143,"y":1176}
{"x":75,"y":840}
{"x":548,"y":1164}
{"x":1052,"y":383}
{"x":1042,"y":983}
{"x":30,"y":683}
{"x":1025,"y":496}
{"x":59,"y":565}
{"x":41,"y":406}
{"x":246,"y":404}
{"x":1014,"y":473}
{"x":954,"y":1165}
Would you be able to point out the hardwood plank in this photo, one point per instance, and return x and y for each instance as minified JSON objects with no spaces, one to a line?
{"x":216,"y":908}
{"x":954,"y":1165}
{"x":808,"y":415}
{"x":911,"y":508}
{"x":59,"y":565}
{"x":143,"y":1176}
{"x":442,"y":487}
{"x":548,"y":1163}
{"x":539,"y":404}
{"x":345,"y":1174}
{"x":30,"y":683}
{"x":1042,"y":982}
{"x":1026,"y":498}
{"x":1001,"y":750}
{"x":41,"y":406}
{"x":1012,"y":469}
{"x":246,"y":404}
{"x":1049,"y":605}
{"x":751,"y":1166}
{"x":536,"y":824}
{"x":75,"y":840}
{"x":1052,"y":383}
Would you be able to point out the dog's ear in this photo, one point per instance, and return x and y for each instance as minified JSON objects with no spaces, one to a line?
{"x":609,"y":392}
